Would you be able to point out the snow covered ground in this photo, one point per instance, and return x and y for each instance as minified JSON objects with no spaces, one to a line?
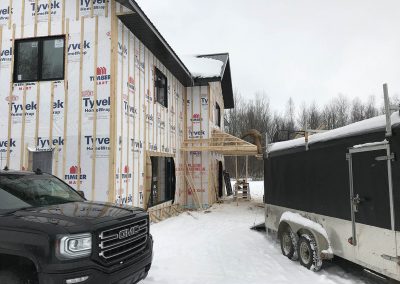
{"x":217,"y":246}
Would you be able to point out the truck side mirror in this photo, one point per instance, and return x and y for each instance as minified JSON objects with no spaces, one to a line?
{"x":81,"y":193}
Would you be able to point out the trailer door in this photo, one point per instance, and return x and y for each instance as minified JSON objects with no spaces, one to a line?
{"x":371,"y":202}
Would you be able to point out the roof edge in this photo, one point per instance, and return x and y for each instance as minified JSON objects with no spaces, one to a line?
{"x":136,"y":8}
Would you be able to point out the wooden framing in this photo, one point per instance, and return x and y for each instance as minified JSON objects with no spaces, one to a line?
{"x":22,"y":164}
{"x":11,"y":89}
{"x":78,"y":118}
{"x":113,"y":93}
{"x":165,"y":210}
{"x":79,"y":152}
{"x":222,"y":143}
{"x":66,"y":101}
{"x":22,"y":19}
{"x":10,"y":5}
{"x":36,"y":17}
{"x":94,"y":153}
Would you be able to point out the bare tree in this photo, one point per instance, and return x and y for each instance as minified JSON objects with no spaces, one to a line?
{"x":257,"y":114}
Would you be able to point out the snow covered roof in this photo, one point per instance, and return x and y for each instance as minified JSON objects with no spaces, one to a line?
{"x":365,"y":126}
{"x":210,"y":68}
{"x":203,"y":67}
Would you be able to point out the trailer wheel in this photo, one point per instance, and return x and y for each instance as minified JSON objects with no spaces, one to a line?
{"x":308,"y":253}
{"x":288,"y":244}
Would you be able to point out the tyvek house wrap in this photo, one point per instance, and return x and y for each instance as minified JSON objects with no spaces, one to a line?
{"x":76,"y":110}
{"x":71,"y":117}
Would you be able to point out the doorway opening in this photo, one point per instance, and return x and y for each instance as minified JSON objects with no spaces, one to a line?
{"x":220,"y":179}
{"x":163,"y":180}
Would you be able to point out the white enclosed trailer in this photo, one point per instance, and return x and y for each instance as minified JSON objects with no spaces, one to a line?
{"x":91,"y":92}
{"x":338,"y":194}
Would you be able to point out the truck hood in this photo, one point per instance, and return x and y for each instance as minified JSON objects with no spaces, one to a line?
{"x":78,"y":214}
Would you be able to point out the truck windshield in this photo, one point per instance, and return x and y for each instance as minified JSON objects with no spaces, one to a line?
{"x":23,"y":191}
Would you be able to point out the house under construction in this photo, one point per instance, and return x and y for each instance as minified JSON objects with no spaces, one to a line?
{"x":93,"y":93}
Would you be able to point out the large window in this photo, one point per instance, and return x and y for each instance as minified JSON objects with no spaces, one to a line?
{"x":39,"y":59}
{"x":161,"y":88}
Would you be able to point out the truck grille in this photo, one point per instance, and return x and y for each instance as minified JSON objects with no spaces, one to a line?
{"x":123,"y":241}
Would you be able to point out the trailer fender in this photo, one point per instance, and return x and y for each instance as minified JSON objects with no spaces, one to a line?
{"x":304,"y":226}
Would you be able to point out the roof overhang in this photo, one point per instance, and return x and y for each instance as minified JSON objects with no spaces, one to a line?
{"x":141,"y":26}
{"x":225,"y":78}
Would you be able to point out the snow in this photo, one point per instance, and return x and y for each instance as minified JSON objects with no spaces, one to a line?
{"x":370,"y":144}
{"x":216,"y":246}
{"x":369,"y":125}
{"x":202,"y":67}
{"x":306,"y":223}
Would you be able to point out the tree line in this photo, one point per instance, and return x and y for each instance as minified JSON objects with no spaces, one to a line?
{"x":291,"y":123}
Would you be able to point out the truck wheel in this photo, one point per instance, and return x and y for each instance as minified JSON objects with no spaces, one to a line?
{"x":308,"y":253}
{"x":11,"y":277}
{"x":288,"y":244}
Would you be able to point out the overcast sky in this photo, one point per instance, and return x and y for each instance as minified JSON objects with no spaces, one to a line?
{"x":305,"y":49}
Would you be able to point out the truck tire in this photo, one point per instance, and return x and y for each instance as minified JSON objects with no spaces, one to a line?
{"x":308,"y":253}
{"x":288,"y":244}
{"x":11,"y":277}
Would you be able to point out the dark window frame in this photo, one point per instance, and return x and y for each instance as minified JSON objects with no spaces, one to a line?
{"x":158,"y":87}
{"x":218,"y":114}
{"x":169,"y":181}
{"x":40,"y":41}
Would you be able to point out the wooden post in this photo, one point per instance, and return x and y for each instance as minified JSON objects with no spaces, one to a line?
{"x":236,"y":169}
{"x":113,"y":83}
{"x":49,"y":18}
{"x":10,"y":5}
{"x":22,"y":164}
{"x":11,"y":89}
{"x":247,"y":167}
{"x":121,"y":113}
{"x":94,"y":153}
{"x":80,"y":103}
{"x":64,"y":158}
{"x":77,"y":10}
{"x":36,"y":18}
{"x":22,"y":19}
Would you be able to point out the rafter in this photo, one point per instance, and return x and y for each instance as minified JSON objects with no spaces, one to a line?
{"x":222,"y":143}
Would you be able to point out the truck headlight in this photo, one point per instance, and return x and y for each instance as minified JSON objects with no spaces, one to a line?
{"x":74,"y":246}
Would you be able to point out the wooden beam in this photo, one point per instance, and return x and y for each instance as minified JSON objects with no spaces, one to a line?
{"x":79,"y":152}
{"x":94,"y":154}
{"x":113,"y":92}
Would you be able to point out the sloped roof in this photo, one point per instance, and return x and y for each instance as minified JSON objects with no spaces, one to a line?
{"x":141,"y":26}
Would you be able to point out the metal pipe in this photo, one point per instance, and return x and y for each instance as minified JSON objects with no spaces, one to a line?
{"x":390,"y":181}
{"x":353,"y":217}
{"x":387,"y":111}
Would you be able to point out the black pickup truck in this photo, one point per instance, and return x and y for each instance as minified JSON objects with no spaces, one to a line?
{"x":51,"y":234}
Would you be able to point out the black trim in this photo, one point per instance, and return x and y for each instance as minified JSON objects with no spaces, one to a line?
{"x":159,"y":85}
{"x":225,"y":78}
{"x":169,"y":181}
{"x":218,"y":114}
{"x":141,"y":26}
{"x":40,"y":41}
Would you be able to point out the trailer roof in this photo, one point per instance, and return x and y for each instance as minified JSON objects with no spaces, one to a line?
{"x":371,"y":125}
{"x":141,"y":26}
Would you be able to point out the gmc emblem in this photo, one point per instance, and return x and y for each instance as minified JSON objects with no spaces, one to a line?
{"x":123,"y":234}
